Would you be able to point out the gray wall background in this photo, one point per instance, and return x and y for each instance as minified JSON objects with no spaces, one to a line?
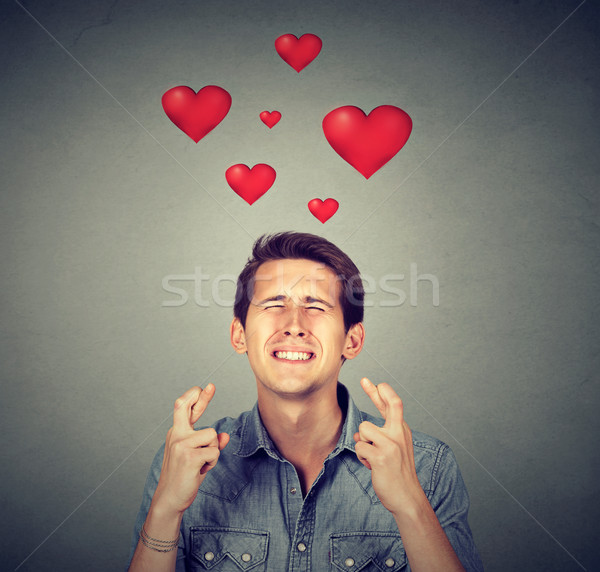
{"x":495,"y":194}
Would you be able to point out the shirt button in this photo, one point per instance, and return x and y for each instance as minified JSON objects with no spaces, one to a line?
{"x":389,"y":562}
{"x":209,"y":556}
{"x":349,"y":562}
{"x":246,"y":557}
{"x":301,"y":547}
{"x":293,"y":490}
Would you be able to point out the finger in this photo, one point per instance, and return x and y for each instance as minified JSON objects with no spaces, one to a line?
{"x":370,"y":433}
{"x":394,"y":407}
{"x":206,"y":438}
{"x":371,"y":390}
{"x":183,"y":407}
{"x":223,"y":440}
{"x":202,"y":402}
{"x":203,"y":438}
{"x":362,"y":451}
{"x":210,"y":456}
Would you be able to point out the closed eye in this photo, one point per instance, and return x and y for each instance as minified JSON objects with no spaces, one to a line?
{"x":315,"y":308}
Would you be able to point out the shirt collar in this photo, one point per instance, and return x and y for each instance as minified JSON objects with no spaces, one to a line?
{"x":254,"y":436}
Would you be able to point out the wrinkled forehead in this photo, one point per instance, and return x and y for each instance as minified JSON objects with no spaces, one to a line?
{"x":297,"y":279}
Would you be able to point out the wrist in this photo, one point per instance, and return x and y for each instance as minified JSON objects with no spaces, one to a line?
{"x":160,"y":514}
{"x":165,"y":504}
{"x":413,"y":511}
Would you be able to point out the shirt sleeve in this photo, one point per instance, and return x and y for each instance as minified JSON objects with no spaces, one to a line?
{"x":149,"y":488}
{"x":450,"y":501}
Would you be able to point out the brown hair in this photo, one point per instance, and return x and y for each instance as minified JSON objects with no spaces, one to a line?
{"x":311,"y":247}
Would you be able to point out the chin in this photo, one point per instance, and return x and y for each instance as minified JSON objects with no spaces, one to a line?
{"x":294,"y":387}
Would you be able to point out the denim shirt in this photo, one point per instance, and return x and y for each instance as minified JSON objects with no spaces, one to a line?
{"x":249,"y":513}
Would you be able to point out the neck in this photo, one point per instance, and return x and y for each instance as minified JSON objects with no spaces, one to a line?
{"x":305,"y":430}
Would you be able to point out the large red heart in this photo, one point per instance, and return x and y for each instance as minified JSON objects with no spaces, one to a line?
{"x":270,"y":119}
{"x":323,"y":210}
{"x":298,"y":52}
{"x":196,"y":114}
{"x":250,"y":184}
{"x":367,"y":142}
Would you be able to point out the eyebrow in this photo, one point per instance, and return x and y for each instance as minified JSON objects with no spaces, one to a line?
{"x":282,"y":298}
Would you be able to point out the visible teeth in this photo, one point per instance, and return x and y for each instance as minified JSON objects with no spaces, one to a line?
{"x":296,"y":356}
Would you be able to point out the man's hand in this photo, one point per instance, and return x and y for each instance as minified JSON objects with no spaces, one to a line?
{"x":388,"y":452}
{"x":189,"y":454}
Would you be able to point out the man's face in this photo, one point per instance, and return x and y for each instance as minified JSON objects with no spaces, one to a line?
{"x":294,"y":333}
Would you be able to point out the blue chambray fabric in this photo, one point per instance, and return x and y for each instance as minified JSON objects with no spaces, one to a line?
{"x":249,"y":513}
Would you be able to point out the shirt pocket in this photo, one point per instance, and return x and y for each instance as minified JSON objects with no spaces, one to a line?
{"x":227,"y":549}
{"x":367,"y":551}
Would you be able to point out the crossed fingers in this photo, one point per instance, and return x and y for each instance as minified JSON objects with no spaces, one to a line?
{"x":190,"y":406}
{"x":388,"y":451}
{"x":188,"y":409}
{"x":387,"y":402}
{"x":189,"y":454}
{"x":378,"y":444}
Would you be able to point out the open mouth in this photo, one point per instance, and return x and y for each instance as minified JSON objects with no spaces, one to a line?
{"x":293,"y":356}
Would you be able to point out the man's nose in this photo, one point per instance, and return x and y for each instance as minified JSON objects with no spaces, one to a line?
{"x":294,"y":325}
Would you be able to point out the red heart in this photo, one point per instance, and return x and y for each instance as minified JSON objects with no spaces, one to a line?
{"x":298,"y":52}
{"x":270,"y":119}
{"x":250,"y":184}
{"x":367,"y":142}
{"x":196,"y":114}
{"x":323,"y":210}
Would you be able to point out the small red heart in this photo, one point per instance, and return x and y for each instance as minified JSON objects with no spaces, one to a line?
{"x":196,"y":114}
{"x":250,"y":184}
{"x":270,"y":119}
{"x":298,"y":52}
{"x":323,"y":210}
{"x":367,"y":142}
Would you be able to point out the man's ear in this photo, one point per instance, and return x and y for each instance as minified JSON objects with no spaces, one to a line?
{"x":238,"y":337}
{"x":355,"y":339}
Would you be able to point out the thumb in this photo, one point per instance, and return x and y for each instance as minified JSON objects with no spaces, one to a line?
{"x":223,"y":440}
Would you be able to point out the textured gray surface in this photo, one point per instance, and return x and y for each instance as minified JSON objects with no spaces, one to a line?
{"x":101,"y":197}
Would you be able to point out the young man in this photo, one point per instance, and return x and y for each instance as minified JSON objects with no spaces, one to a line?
{"x":304,"y":481}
